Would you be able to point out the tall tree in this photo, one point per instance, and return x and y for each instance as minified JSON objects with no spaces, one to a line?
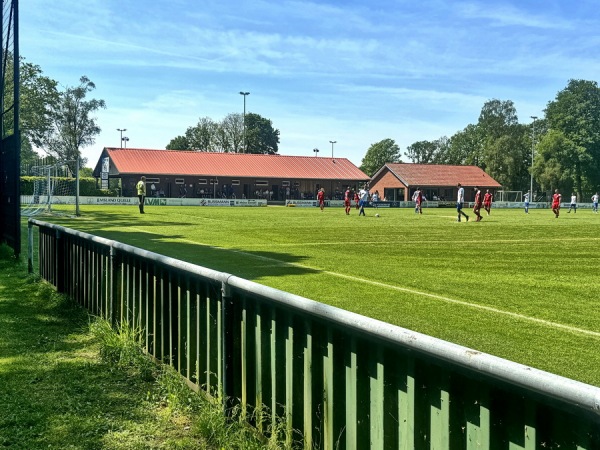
{"x":378,"y":154}
{"x":202,"y":136}
{"x":555,"y":165}
{"x":179,"y":143}
{"x":428,"y":152}
{"x":229,"y":135}
{"x":497,"y":121}
{"x":38,"y":97}
{"x":260,"y":137}
{"x":73,"y":124}
{"x":421,"y":152}
{"x":576,"y":113}
{"x":507,"y":158}
{"x":466,"y":147}
{"x":496,"y":118}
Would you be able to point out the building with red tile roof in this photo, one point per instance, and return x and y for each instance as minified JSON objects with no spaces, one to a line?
{"x":174,"y":173}
{"x":398,"y":181}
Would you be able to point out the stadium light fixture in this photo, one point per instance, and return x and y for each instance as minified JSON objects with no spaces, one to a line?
{"x":532,"y":150}
{"x":316,"y":150}
{"x":332,"y":142}
{"x":125,"y":139}
{"x":121,"y":130}
{"x":245,"y":140}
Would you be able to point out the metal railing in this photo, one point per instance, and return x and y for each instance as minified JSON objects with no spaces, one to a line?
{"x":334,"y":379}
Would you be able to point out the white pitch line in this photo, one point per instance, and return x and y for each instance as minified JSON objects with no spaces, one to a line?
{"x":518,"y":316}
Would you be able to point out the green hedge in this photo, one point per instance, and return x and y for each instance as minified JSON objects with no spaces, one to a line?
{"x":87,"y":186}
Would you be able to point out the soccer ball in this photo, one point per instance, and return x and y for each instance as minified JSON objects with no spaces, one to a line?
{"x":376,"y":215}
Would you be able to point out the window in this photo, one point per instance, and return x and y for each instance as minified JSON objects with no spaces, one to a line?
{"x":262,"y":182}
{"x":152,"y":180}
{"x":235,"y":182}
{"x":214,"y":181}
{"x":179,"y":181}
{"x":202,"y":181}
{"x":285,"y":183}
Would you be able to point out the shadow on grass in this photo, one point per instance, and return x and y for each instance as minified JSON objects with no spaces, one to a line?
{"x":248,"y":264}
{"x":243,"y":263}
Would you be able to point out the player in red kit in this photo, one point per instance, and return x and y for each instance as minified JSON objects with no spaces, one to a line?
{"x":356,"y":200}
{"x":487,"y":201}
{"x":556,"y":203}
{"x":347,"y":197}
{"x":478,"y":202}
{"x":321,"y":198}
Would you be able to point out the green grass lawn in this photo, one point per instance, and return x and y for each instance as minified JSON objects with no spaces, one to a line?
{"x":522,"y":287}
{"x":57,"y":391}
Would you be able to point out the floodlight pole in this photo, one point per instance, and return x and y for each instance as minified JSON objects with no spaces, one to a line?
{"x":121,"y":130}
{"x":245,"y":140}
{"x":332,"y":142}
{"x":532,"y":151}
{"x":316,"y":150}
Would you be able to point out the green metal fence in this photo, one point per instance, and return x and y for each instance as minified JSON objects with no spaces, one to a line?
{"x":336,"y":380}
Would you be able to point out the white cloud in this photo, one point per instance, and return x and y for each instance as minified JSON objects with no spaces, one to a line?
{"x":506,"y":15}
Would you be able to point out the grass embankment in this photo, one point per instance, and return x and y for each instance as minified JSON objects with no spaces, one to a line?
{"x":67,"y":381}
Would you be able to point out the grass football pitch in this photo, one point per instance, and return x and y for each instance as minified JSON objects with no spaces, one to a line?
{"x":520,"y":286}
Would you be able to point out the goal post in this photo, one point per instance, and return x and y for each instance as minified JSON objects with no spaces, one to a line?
{"x":509,"y":196}
{"x":55,"y":190}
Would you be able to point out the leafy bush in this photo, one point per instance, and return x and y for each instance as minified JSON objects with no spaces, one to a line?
{"x":87,"y":186}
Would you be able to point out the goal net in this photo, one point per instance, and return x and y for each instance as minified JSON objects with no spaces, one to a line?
{"x":509,"y":196}
{"x":54,"y":190}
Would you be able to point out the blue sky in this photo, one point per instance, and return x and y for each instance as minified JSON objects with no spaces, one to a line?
{"x":352,"y":72}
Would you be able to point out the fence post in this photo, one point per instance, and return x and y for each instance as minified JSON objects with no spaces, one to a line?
{"x":29,"y":246}
{"x":227,"y":338}
{"x":113,"y":285}
{"x":60,"y":265}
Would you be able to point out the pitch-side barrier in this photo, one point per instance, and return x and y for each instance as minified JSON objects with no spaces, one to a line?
{"x":335,"y":379}
{"x":150,"y":201}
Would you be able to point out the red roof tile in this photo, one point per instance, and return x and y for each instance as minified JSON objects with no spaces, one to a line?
{"x":171,"y":162}
{"x":441,"y":175}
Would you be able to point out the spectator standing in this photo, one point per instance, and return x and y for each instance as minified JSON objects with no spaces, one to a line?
{"x":141,"y":192}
